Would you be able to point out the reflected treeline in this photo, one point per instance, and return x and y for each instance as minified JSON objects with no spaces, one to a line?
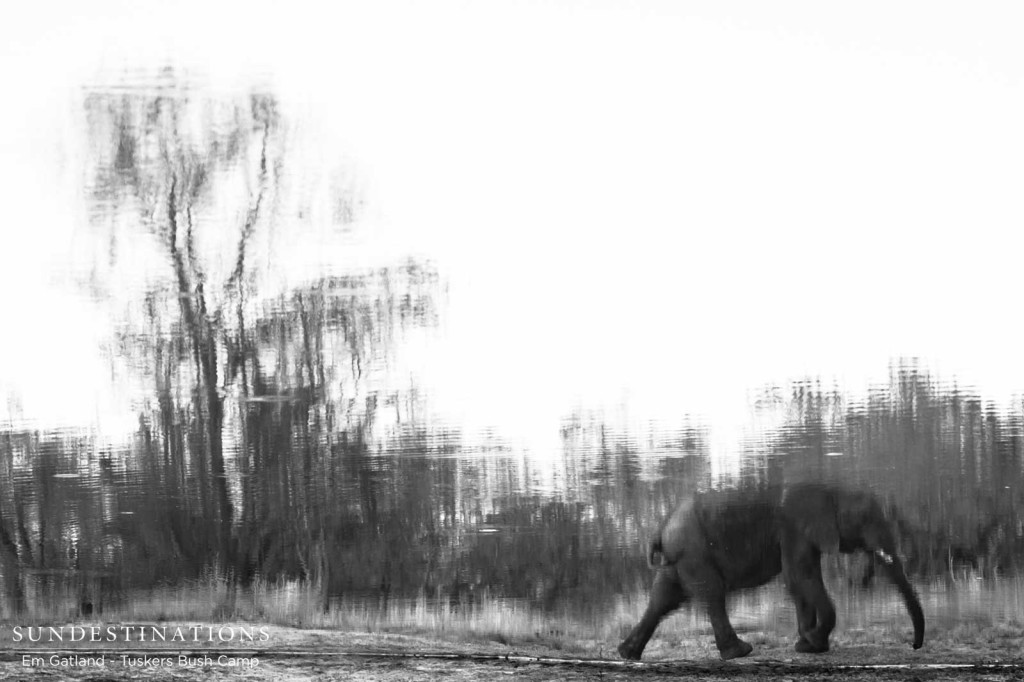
{"x":372,"y":513}
{"x":366,"y":523}
{"x":950,"y":465}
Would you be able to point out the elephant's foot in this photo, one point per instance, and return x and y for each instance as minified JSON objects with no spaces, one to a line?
{"x":737,"y":649}
{"x":630,"y":651}
{"x":805,"y":646}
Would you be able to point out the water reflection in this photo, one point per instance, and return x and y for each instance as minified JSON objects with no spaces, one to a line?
{"x":271,"y":446}
{"x":419,"y":518}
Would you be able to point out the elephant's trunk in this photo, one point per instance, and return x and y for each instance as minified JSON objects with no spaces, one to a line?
{"x":894,"y":567}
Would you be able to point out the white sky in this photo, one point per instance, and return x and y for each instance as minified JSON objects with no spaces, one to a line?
{"x":652,"y":204}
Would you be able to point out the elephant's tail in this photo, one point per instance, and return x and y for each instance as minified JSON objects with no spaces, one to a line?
{"x":656,"y":554}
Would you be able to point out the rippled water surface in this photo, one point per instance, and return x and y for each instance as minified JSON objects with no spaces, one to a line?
{"x":278,"y":431}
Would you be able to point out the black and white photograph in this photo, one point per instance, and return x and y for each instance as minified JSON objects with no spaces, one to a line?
{"x":391,"y":340}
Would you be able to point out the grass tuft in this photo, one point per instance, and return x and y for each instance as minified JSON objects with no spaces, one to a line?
{"x":957,"y":615}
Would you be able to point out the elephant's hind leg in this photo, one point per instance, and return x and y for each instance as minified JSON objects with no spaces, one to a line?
{"x":667,"y":595}
{"x":711,"y":590}
{"x":729,"y":644}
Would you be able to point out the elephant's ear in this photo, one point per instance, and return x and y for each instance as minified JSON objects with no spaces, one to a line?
{"x":811,"y":512}
{"x":862,"y":520}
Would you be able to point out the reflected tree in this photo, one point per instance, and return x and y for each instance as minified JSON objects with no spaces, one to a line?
{"x":166,"y":159}
{"x":256,"y":397}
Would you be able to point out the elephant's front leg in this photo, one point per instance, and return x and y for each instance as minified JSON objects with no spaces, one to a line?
{"x":667,"y":595}
{"x":806,"y":618}
{"x":815,"y":639}
{"x":816,"y":615}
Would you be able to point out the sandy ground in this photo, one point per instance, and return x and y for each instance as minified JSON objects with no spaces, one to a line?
{"x":295,"y":654}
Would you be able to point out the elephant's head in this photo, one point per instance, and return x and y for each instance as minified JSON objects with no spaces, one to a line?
{"x":834,"y":519}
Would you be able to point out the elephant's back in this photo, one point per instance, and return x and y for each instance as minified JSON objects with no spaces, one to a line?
{"x":742,"y":527}
{"x":715,"y":520}
{"x":740,"y":513}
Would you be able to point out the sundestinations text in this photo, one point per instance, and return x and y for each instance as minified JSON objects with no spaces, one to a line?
{"x":140,"y":633}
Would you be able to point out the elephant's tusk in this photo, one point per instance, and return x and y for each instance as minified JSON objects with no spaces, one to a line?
{"x":884,"y":556}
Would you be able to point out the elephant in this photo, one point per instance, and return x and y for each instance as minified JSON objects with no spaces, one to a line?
{"x":717,"y":542}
